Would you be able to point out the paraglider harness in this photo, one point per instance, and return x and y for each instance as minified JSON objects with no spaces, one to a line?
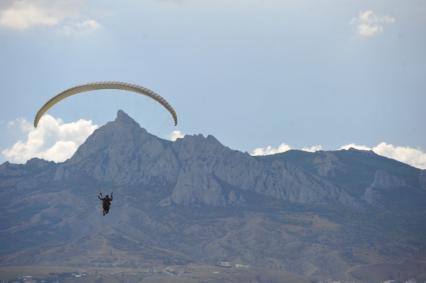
{"x":106,"y":202}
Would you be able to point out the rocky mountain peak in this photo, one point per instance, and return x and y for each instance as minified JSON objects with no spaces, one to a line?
{"x":118,"y":151}
{"x":122,"y":133}
{"x":196,"y":145}
{"x":122,"y":119}
{"x":37,"y":162}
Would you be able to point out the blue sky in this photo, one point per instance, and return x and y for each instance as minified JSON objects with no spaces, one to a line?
{"x":252,"y":73}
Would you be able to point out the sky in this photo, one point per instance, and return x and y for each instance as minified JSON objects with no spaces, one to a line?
{"x":262,"y":76}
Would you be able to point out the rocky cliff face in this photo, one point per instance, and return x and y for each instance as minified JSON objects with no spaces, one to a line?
{"x":196,"y":200}
{"x":199,"y":169}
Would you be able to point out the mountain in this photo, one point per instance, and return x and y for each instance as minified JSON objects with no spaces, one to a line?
{"x":345,"y":215}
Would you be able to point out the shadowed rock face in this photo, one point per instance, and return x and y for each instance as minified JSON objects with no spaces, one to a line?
{"x":196,"y":200}
{"x":422,"y":179}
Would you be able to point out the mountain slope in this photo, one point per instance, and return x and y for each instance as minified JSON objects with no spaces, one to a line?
{"x":321,"y":215}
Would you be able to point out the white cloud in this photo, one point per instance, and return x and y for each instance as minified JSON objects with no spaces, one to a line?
{"x":281,"y":148}
{"x":176,"y":135}
{"x":21,"y":123}
{"x":51,"y":140}
{"x":355,"y":146}
{"x":271,"y":150}
{"x":26,"y":14}
{"x":79,"y":27}
{"x":369,"y":24}
{"x":412,"y":156}
{"x":312,"y":148}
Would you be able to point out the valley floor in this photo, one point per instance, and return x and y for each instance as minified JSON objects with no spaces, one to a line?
{"x":150,"y":274}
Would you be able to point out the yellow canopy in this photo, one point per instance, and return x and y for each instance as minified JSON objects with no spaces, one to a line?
{"x":104,"y":85}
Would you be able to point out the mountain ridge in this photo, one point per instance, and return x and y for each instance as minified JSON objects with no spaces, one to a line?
{"x":194,"y":200}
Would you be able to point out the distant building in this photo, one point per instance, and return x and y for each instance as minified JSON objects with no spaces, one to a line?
{"x":224,"y":264}
{"x":239,"y":265}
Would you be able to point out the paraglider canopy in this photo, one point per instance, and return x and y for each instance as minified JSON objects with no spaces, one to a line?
{"x":104,"y":85}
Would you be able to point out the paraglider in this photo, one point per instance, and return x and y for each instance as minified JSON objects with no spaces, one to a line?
{"x":104,"y":85}
{"x":106,"y":203}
